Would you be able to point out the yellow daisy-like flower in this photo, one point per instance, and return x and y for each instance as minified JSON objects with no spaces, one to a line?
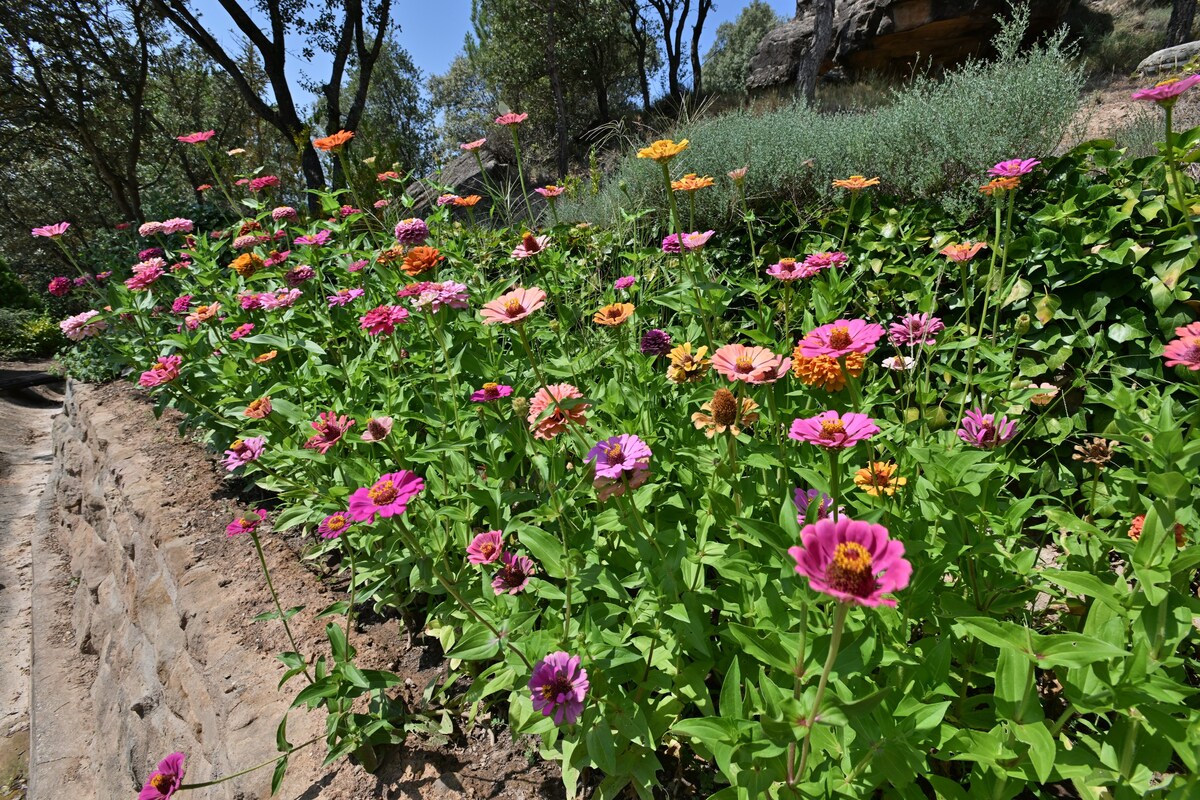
{"x":690,"y":183}
{"x":686,"y":366}
{"x":855,"y":183}
{"x":663,"y":150}
{"x":879,"y":478}
{"x":825,"y":371}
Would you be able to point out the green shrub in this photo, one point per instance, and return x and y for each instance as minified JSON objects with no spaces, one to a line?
{"x":91,"y":361}
{"x":935,"y":140}
{"x":28,"y":334}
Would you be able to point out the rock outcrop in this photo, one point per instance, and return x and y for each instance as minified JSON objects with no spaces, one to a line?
{"x":1168,"y":59}
{"x":889,"y":35}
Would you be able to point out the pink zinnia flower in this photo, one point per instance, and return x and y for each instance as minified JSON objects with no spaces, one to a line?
{"x":382,"y":320}
{"x":299,"y":274}
{"x":472,"y":146}
{"x":181,"y":304}
{"x":382,"y":203}
{"x":985,"y":431}
{"x":329,"y":429}
{"x":412,"y":231}
{"x":344,"y":296}
{"x":355,"y":266}
{"x":276,"y":258}
{"x":334,"y":525}
{"x":788,"y":269}
{"x":550,"y":192}
{"x":514,"y":575}
{"x":148,"y":229}
{"x":1013,"y":168}
{"x":60,"y":286}
{"x":1167,"y":92}
{"x":283,"y":212}
{"x":915,"y":329}
{"x":144,"y":278}
{"x":378,"y":429}
{"x":490,"y":392}
{"x":695,"y":240}
{"x":514,"y":306}
{"x":446,"y":199}
{"x":178,"y":225}
{"x":274,"y":302}
{"x":435,"y":295}
{"x":51,"y":231}
{"x":556,"y":422}
{"x":241,"y":330}
{"x":852,"y":561}
{"x":617,"y":455}
{"x":558,"y":686}
{"x":1184,"y":351}
{"x":625,"y":282}
{"x":246,"y":524}
{"x":832,"y":430}
{"x":318,"y":239}
{"x":511,"y":119}
{"x":815,"y":262}
{"x":196,"y":138}
{"x":164,"y":371}
{"x":899,"y":363}
{"x":250,"y":301}
{"x":486,"y":547}
{"x":264,"y":182}
{"x":841,"y":338}
{"x":738,"y":175}
{"x":167,"y":778}
{"x":737,"y":362}
{"x":390,"y":175}
{"x":244,"y":451}
{"x":82,"y":326}
{"x":388,"y":496}
{"x":530,"y":246}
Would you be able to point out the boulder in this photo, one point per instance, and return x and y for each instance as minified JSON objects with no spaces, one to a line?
{"x":461,"y":176}
{"x":1168,"y":59}
{"x":890,"y":35}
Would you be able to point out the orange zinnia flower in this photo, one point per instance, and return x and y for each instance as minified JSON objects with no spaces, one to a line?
{"x":690,"y":183}
{"x":421,"y":259}
{"x":962,"y":252}
{"x":334,"y":142}
{"x":247,"y":264}
{"x":259,"y":409}
{"x":879,"y":478}
{"x":613,"y":315}
{"x":663,"y":150}
{"x":855,"y":183}
{"x":390,"y":255}
{"x":1000,"y":185}
{"x":265,"y":357}
{"x":825,"y":371}
{"x":467,"y":201}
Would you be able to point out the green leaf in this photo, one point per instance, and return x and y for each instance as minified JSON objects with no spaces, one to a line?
{"x":476,"y":644}
{"x":547,"y":549}
{"x":600,"y":746}
{"x":1042,"y":749}
{"x":277,"y":775}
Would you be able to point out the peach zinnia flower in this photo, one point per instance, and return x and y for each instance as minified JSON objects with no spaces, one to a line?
{"x":333,"y":142}
{"x":551,"y":397}
{"x":736,"y":362}
{"x":959,"y":253}
{"x":259,"y":409}
{"x":724,"y":414}
{"x":613,"y":315}
{"x":686,"y":366}
{"x":855,"y":183}
{"x":825,"y":371}
{"x":421,"y":259}
{"x":472,"y":146}
{"x":690,"y":183}
{"x":265,"y":357}
{"x":514,"y":306}
{"x":663,"y":150}
{"x":879,"y":478}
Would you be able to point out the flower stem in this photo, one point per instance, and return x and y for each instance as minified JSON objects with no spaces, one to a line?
{"x":839,"y":623}
{"x":262,"y":560}
{"x":521,"y":172}
{"x":1173,"y":169}
{"x":1012,"y":201}
{"x":676,"y":226}
{"x":297,"y":748}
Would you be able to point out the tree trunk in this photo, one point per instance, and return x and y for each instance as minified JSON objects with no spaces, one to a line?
{"x":810,"y":64}
{"x":702,"y":9}
{"x":1179,"y":29}
{"x":555,"y":75}
{"x":637,"y":33}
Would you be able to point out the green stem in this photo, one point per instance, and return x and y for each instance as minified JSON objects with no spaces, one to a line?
{"x":839,"y":623}
{"x":1173,"y":168}
{"x":296,"y":749}
{"x":521,"y":173}
{"x":683,"y":255}
{"x":835,"y":480}
{"x":1012,"y":201}
{"x":262,"y":560}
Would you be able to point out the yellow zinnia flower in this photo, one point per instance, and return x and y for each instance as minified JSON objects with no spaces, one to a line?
{"x":663,"y":150}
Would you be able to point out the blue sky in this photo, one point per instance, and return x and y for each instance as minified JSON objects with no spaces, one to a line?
{"x":432,"y":31}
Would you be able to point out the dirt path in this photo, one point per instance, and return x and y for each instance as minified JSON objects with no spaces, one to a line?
{"x":25,"y":463}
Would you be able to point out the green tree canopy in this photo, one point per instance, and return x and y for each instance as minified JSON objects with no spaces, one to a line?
{"x":727,"y":62}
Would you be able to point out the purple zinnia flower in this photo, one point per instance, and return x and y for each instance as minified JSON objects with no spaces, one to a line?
{"x":181,"y":304}
{"x":244,"y":451}
{"x":625,"y":282}
{"x":486,"y":547}
{"x":491,"y":391}
{"x":151,"y":252}
{"x":334,"y":525}
{"x":298,"y":275}
{"x":656,"y":342}
{"x":559,"y":685}
{"x":1013,"y":168}
{"x":412,"y":231}
{"x":915,"y":329}
{"x":804,"y":499}
{"x":514,"y":575}
{"x":344,"y":296}
{"x":617,"y":455}
{"x":985,"y":431}
{"x":165,"y":780}
{"x":387,"y":497}
{"x":316,"y":240}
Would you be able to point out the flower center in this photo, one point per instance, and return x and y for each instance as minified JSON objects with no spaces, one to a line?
{"x":613,"y":452}
{"x":161,"y":782}
{"x":850,"y":570}
{"x":530,"y":242}
{"x":832,"y":428}
{"x":556,"y":687}
{"x":247,"y":522}
{"x":1191,"y":349}
{"x":491,"y":388}
{"x":744,"y":364}
{"x":513,"y":306}
{"x":382,"y":493}
{"x":237,"y":444}
{"x":487,"y":548}
{"x":336,"y":522}
{"x":839,"y":338}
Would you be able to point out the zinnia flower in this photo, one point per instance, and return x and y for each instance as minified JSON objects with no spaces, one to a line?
{"x":879,"y":478}
{"x":787,"y":269}
{"x":412,"y":231}
{"x":1000,"y":185}
{"x":390,"y":175}
{"x":329,"y":429}
{"x":514,"y":574}
{"x":82,"y":326}
{"x":1139,"y":522}
{"x":146,"y":273}
{"x":663,"y":150}
{"x":624,"y":282}
{"x":530,"y":245}
{"x":815,"y":262}
{"x":804,"y":499}
{"x":737,"y":362}
{"x":201,"y":314}
{"x":834,"y":431}
{"x":558,"y":686}
{"x":486,"y":547}
{"x":826,"y":372}
{"x":985,"y":431}
{"x":148,"y":229}
{"x":738,"y":175}
{"x":723,"y":414}
{"x":265,"y":357}
{"x":468,"y":201}
{"x":168,"y":777}
{"x":915,"y":329}
{"x":514,"y":306}
{"x":283,"y":212}
{"x":840,"y":338}
{"x":259,"y":409}
{"x":962,"y":252}
{"x":1097,"y":451}
{"x":343,"y":296}
{"x":388,"y":496}
{"x":177,"y":225}
{"x":378,"y":429}
{"x":550,"y":192}
{"x":690,"y":183}
{"x":490,"y":392}
{"x":318,"y":239}
{"x":695,"y":240}
{"x":852,"y":561}
{"x":382,"y":320}
{"x":299,"y":274}
{"x":333,"y":142}
{"x":244,"y":451}
{"x":60,"y":286}
{"x":247,"y":264}
{"x":550,"y":398}
{"x":855,"y":183}
{"x":618,"y":455}
{"x":1183,"y":352}
{"x":687,"y":367}
{"x":1046,"y":396}
{"x":51,"y":231}
{"x":511,"y":119}
{"x":655,"y":342}
{"x":164,"y":371}
{"x":421,"y":259}
{"x":472,"y":146}
{"x":241,"y":330}
{"x":1013,"y":168}
{"x":334,"y":525}
{"x":1168,"y":91}
{"x":898,"y":363}
{"x":246,"y":524}
{"x":264,"y":182}
{"x":613,"y":315}
{"x":196,"y":138}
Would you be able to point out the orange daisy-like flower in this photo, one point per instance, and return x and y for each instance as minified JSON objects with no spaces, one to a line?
{"x":265,"y":357}
{"x":855,"y":183}
{"x":333,"y":142}
{"x":686,"y":366}
{"x":690,"y":183}
{"x":421,"y":259}
{"x":962,"y":252}
{"x":556,"y":422}
{"x":390,"y":256}
{"x":663,"y":150}
{"x":1000,"y":185}
{"x":613,"y":315}
{"x":467,"y":201}
{"x":825,"y":371}
{"x":724,"y":414}
{"x":247,"y":264}
{"x":879,"y":478}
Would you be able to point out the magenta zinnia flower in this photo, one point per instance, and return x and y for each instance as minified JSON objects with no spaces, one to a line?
{"x":246,"y":524}
{"x":244,"y":451}
{"x":264,"y":182}
{"x":383,"y":320}
{"x":60,"y":286}
{"x":412,"y":231}
{"x":915,"y":329}
{"x":344,"y":296}
{"x":51,"y":231}
{"x":841,"y":338}
{"x":196,"y":138}
{"x":486,"y":547}
{"x":815,"y":262}
{"x":329,"y":429}
{"x":1013,"y":168}
{"x":164,"y":371}
{"x":388,"y":496}
{"x":165,"y":780}
{"x":755,"y":365}
{"x":655,"y":342}
{"x":317,"y":239}
{"x":625,"y":282}
{"x":852,"y":561}
{"x":334,"y":525}
{"x":1167,"y":92}
{"x":299,"y":274}
{"x":985,"y":431}
{"x":618,"y":455}
{"x":1184,"y":351}
{"x":559,"y":685}
{"x":283,"y":212}
{"x":514,"y":306}
{"x":490,"y":392}
{"x":514,"y":575}
{"x":833,"y":431}
{"x":804,"y":499}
